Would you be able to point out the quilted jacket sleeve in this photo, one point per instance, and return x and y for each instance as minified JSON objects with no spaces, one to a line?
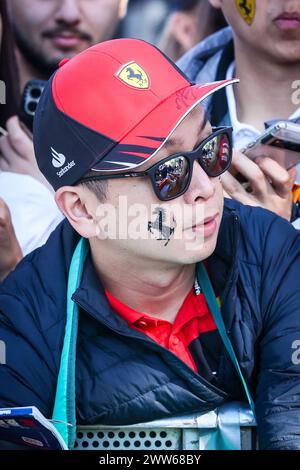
{"x":278,"y":390}
{"x":27,"y":370}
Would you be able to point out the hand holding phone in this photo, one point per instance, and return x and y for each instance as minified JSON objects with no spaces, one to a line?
{"x":280,"y":142}
{"x":268,"y":185}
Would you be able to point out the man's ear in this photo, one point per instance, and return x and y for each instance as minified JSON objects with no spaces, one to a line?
{"x":123,"y":8}
{"x":216,"y":3}
{"x":71,"y":200}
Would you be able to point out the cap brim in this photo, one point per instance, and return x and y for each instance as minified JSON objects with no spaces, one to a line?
{"x":144,"y":141}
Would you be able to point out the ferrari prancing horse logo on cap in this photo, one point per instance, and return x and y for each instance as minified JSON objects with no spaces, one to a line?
{"x":134,"y":75}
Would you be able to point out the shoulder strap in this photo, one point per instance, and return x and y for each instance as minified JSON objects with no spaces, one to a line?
{"x":210,"y":298}
{"x":64,"y":413}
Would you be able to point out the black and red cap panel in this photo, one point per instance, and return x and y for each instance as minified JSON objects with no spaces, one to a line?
{"x":61,"y":143}
{"x":88,"y":89}
{"x":142,"y":142}
{"x":110,"y":108}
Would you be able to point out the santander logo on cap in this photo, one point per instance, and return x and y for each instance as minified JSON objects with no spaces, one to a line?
{"x":58,"y":159}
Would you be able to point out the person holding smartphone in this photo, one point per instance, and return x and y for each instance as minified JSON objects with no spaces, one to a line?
{"x":45,"y":33}
{"x":262,"y":48}
{"x":28,"y":212}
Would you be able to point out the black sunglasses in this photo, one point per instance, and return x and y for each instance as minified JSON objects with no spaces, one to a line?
{"x":171,"y":176}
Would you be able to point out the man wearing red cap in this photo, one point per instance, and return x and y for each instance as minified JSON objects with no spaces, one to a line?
{"x":128,"y":284}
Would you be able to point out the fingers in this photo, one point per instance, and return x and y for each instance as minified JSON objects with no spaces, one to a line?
{"x":285,"y":157}
{"x":18,"y":139}
{"x":4,"y":165}
{"x":252,"y":172}
{"x":271,"y":185}
{"x":293,"y":174}
{"x":235,"y":190}
{"x":265,"y":175}
{"x":8,"y":155}
{"x":281,"y":180}
{"x":5,"y":218}
{"x":7,"y":232}
{"x":17,"y":153}
{"x":10,"y":250}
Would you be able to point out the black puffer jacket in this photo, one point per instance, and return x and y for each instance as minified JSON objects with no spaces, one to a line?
{"x":124,"y":377}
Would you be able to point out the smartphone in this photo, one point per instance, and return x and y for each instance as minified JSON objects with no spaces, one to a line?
{"x":283,"y":135}
{"x":31,"y":95}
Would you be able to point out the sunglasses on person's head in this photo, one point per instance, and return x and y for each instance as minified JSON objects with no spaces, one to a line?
{"x":171,"y":176}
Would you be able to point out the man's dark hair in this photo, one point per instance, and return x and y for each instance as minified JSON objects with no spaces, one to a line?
{"x":184,"y":5}
{"x":98,"y":187}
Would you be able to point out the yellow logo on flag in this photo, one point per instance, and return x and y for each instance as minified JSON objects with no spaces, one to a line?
{"x":246,"y":9}
{"x":134,"y":75}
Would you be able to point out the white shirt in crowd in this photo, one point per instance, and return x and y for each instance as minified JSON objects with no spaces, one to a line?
{"x":244,"y":133}
{"x":33,"y":209}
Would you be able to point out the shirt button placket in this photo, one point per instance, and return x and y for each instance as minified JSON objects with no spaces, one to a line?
{"x":142,"y":324}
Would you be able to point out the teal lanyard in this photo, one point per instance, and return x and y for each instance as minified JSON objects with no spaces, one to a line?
{"x":64,"y":413}
{"x":210,"y":298}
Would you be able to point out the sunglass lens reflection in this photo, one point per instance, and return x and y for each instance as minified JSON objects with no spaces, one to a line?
{"x":216,"y":155}
{"x":171,"y":177}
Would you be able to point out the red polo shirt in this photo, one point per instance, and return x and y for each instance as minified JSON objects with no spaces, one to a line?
{"x":193,"y":318}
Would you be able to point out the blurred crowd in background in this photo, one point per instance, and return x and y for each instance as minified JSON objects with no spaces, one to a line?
{"x":172,"y":25}
{"x":175,"y":26}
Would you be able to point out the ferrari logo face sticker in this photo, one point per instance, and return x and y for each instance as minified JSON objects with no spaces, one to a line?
{"x":246,"y":9}
{"x":134,"y":75}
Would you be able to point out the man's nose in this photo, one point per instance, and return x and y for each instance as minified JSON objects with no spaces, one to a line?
{"x":68,"y":12}
{"x":201,"y":186}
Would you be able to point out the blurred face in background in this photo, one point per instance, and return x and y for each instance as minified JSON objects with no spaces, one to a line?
{"x":270,"y":28}
{"x":187,"y":27}
{"x":48,"y":31}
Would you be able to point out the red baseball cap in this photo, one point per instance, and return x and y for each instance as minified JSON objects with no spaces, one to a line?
{"x":110,"y":109}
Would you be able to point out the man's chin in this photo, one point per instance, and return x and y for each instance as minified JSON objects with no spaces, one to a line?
{"x":194,"y":252}
{"x":56,"y":54}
